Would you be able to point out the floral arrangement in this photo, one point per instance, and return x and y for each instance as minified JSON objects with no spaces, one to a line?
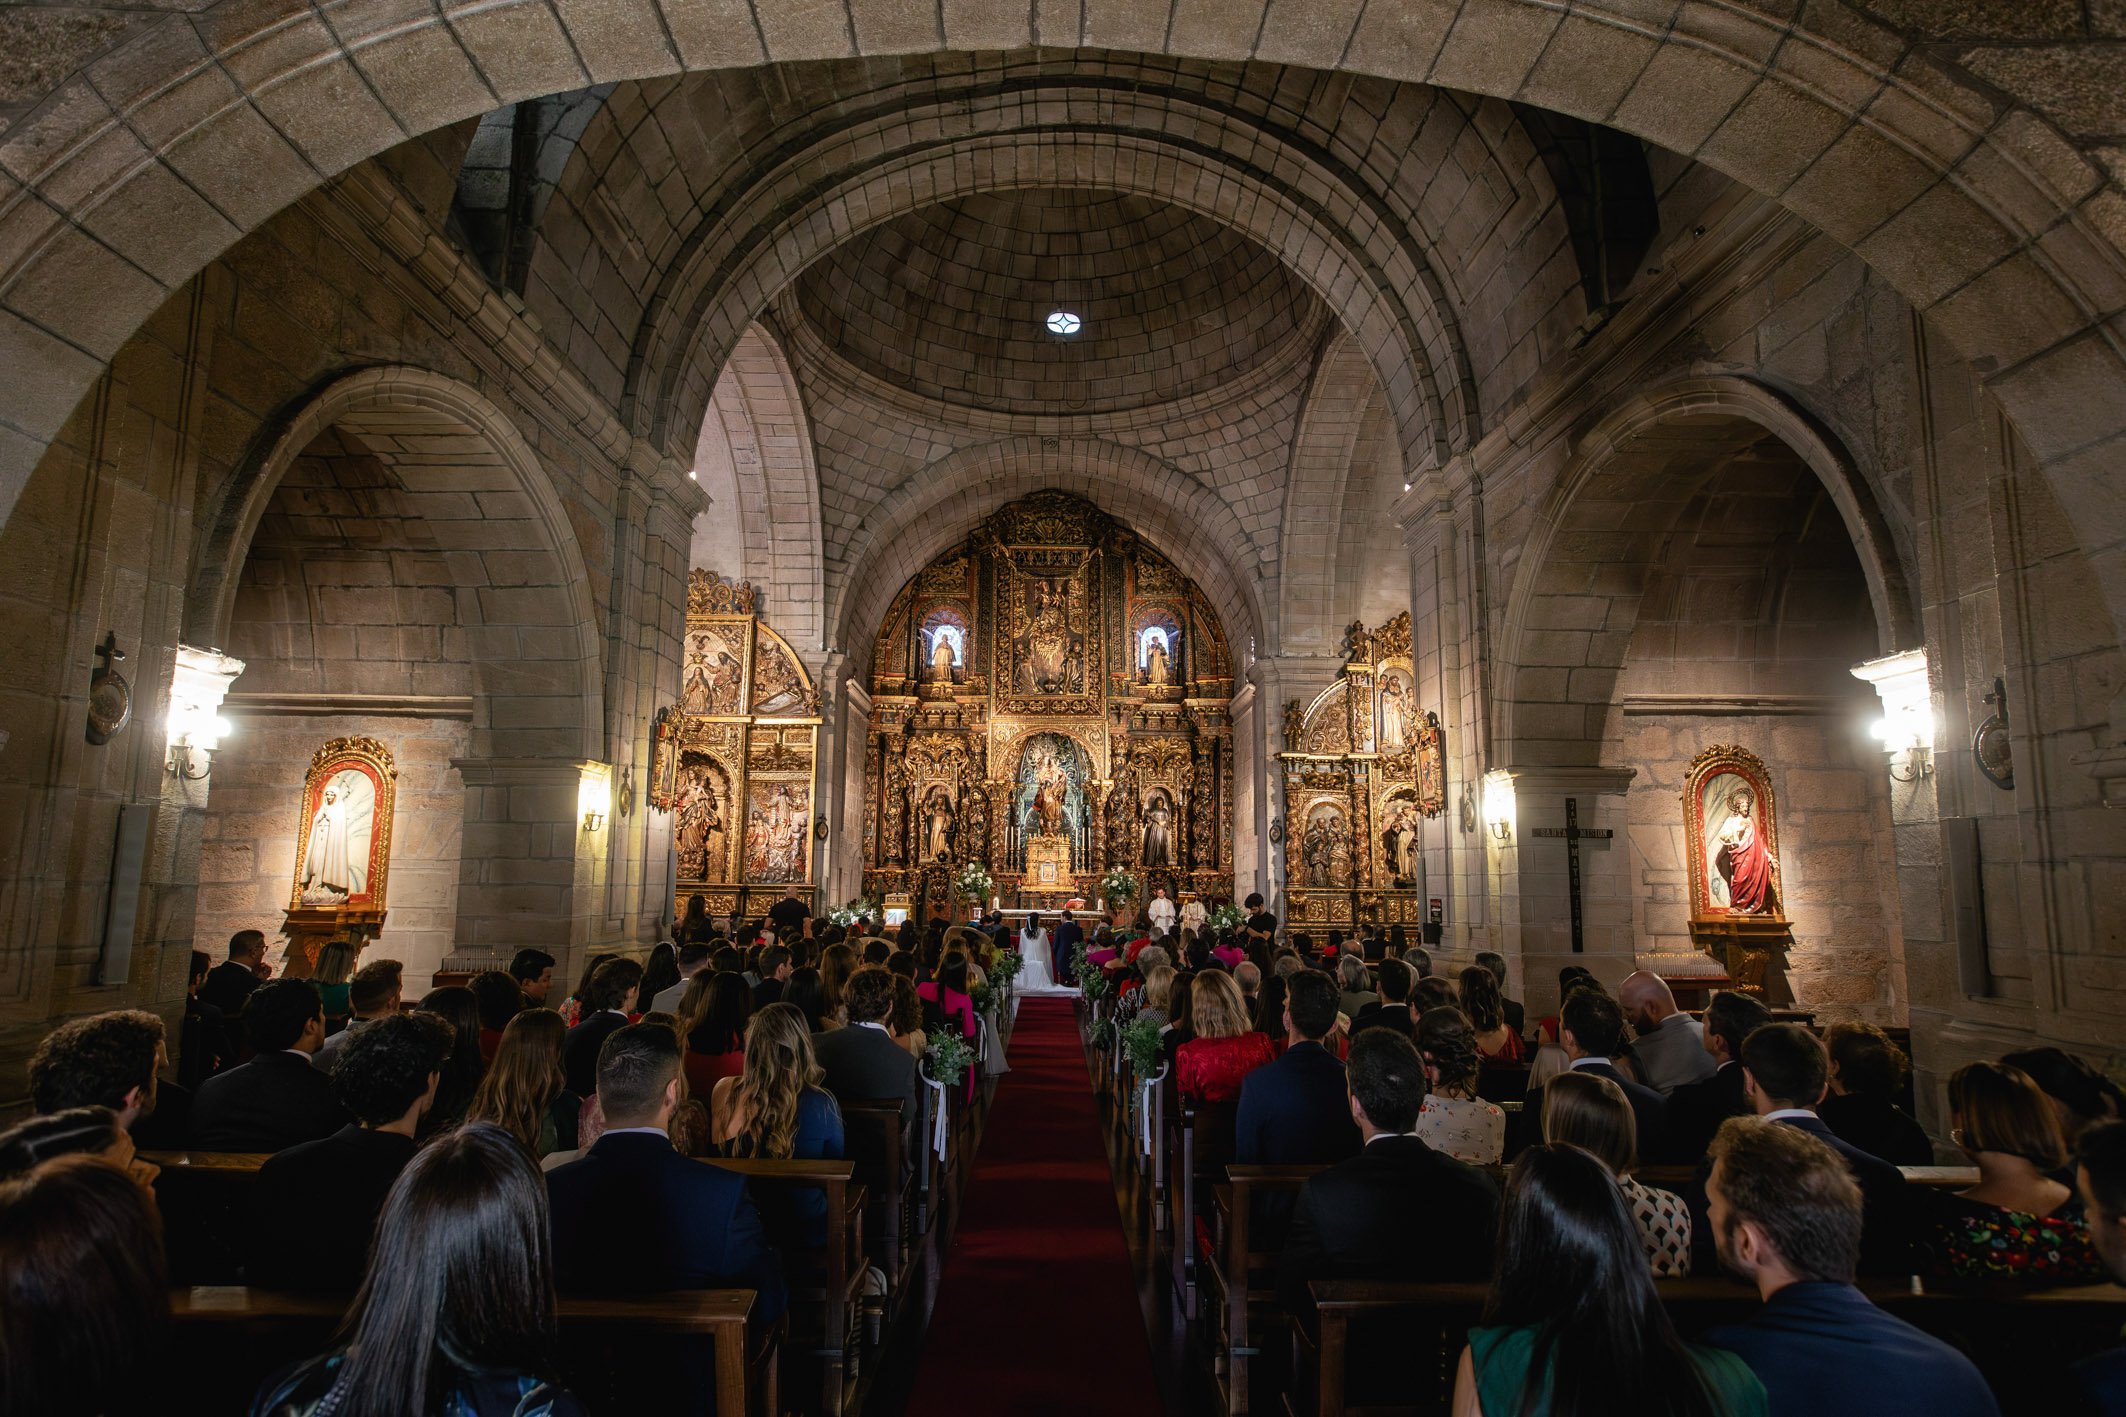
{"x":948,"y":1054}
{"x":1093,"y":983}
{"x":984,"y":994}
{"x":974,"y":882}
{"x":1141,"y":1037}
{"x":1118,"y":887}
{"x":1226,"y":919}
{"x":855,"y":910}
{"x":1007,"y":967}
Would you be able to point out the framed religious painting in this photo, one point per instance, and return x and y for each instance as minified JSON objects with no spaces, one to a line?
{"x":343,"y":826}
{"x":1731,"y":838}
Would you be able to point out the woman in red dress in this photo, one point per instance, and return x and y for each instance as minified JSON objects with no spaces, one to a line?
{"x":1211,"y":1066}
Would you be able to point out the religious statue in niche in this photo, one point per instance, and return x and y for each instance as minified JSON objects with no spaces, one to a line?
{"x":1158,"y":662}
{"x":1158,"y":850}
{"x":1394,"y":712}
{"x":777,"y":686}
{"x":778,"y":829}
{"x":343,"y":847}
{"x":714,"y":678}
{"x":946,"y":652}
{"x":703,"y":830}
{"x":1325,"y":848}
{"x":1431,"y":766}
{"x":1732,"y":835}
{"x":938,"y":819}
{"x":1051,"y":652}
{"x":1399,"y":844}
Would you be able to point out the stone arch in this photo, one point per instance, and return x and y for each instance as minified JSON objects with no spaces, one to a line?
{"x":922,"y":518}
{"x":193,"y":128}
{"x":1574,"y":600}
{"x":1322,"y":449}
{"x":485,"y":503}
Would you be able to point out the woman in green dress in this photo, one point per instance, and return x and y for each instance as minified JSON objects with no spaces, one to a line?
{"x":1574,"y":1327}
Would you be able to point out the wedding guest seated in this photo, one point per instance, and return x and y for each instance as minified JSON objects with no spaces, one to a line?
{"x":2081,"y":1095}
{"x":1574,"y":1323}
{"x":316,"y":1204}
{"x":1454,"y":1120}
{"x":73,"y":1131}
{"x":660,"y":973}
{"x":1486,"y":1008}
{"x":1248,"y":975}
{"x":836,"y":964}
{"x":1227,"y":952}
{"x":1786,"y":1216}
{"x":206,"y":1043}
{"x":1357,"y":986}
{"x":1589,"y":1112}
{"x":1696,"y":1109}
{"x":1434,"y":993}
{"x":709,"y":1236}
{"x":230,"y":983}
{"x":1131,"y":1000}
{"x":2019,"y":1222}
{"x":457,"y":1313}
{"x":329,"y":974}
{"x":525,"y":1091}
{"x":1570,"y":977}
{"x":1378,"y":1215}
{"x":1158,"y":993}
{"x":776,"y":966}
{"x":278,"y":1098}
{"x":1420,"y":961}
{"x":1866,"y":1071}
{"x":1785,"y":1074}
{"x":712,"y":1019}
{"x":2100,"y":1180}
{"x":1668,"y":1048}
{"x":105,"y":1060}
{"x":1515,"y":1013}
{"x":456,"y":1006}
{"x":806,"y":992}
{"x":1181,"y":1027}
{"x":497,"y":999}
{"x":1210,"y":1067}
{"x":1293,"y":1111}
{"x":534,"y":972}
{"x":1392,"y":1008}
{"x":908,"y":1023}
{"x":775,"y":1109}
{"x":84,"y":1299}
{"x":862,"y":1063}
{"x":572,"y":1010}
{"x":607,"y":1000}
{"x":373,"y":993}
{"x":949,"y":992}
{"x":691,"y":959}
{"x":1591,"y":1030}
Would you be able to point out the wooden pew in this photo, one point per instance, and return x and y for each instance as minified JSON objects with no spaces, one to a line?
{"x":878,"y":1145}
{"x":2008,"y":1335}
{"x":1243,"y":1283}
{"x":269,"y":1328}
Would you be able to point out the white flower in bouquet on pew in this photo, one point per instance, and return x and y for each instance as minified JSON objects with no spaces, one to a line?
{"x":948,"y":1055}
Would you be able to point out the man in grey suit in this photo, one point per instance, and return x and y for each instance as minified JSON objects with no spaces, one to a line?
{"x":1670,"y":1048}
{"x":862,"y":1062}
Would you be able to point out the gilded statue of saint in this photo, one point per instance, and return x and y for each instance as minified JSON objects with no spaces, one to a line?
{"x":1158,"y":831}
{"x":1158,"y":667}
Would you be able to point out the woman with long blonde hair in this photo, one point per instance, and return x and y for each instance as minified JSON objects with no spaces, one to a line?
{"x":775,"y":1109}
{"x":525,"y":1092}
{"x":1211,"y":1066}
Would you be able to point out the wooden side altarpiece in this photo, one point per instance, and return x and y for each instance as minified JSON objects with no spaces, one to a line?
{"x":342,"y":850}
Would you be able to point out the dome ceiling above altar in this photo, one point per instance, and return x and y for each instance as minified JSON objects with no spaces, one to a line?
{"x":950,"y":301}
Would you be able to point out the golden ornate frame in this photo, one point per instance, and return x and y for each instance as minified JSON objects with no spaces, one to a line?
{"x":373,"y":759}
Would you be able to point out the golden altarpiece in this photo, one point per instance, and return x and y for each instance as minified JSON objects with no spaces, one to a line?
{"x":1051,"y":700}
{"x":1363,"y":767}
{"x":735,"y":759}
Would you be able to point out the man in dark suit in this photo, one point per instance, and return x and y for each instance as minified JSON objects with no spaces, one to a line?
{"x":1294,"y":1111}
{"x":607,"y":1001}
{"x":862,"y":1062}
{"x":1068,"y":936}
{"x":1378,"y":1214}
{"x":1696,"y":1109}
{"x":2100,"y":1179}
{"x":318,"y":1202}
{"x":105,"y":1060}
{"x":1516,"y":1013}
{"x":789,"y":913}
{"x":1785,"y":1073}
{"x":1392,"y":1009}
{"x":278,"y":1098}
{"x":1785,"y":1215}
{"x":229,"y":984}
{"x":775,"y":971}
{"x":706,"y":1232}
{"x":1591,"y":1030}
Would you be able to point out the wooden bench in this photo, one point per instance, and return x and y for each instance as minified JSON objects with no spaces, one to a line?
{"x":1242,"y":1286}
{"x":2011,"y":1336}
{"x":237,"y":1336}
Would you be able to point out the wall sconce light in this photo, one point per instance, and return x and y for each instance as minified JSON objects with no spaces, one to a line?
{"x":593,"y":821}
{"x":1906,"y":728}
{"x":1498,"y":806}
{"x":594,"y":796}
{"x":198,"y":684}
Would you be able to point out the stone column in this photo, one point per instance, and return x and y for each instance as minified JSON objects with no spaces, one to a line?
{"x":1534,"y":893}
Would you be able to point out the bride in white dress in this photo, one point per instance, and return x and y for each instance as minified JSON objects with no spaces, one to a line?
{"x":1037,"y":974}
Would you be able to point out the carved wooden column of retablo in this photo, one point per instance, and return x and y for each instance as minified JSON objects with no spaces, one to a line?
{"x":1058,"y":650}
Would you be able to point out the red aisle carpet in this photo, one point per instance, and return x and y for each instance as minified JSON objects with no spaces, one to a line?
{"x":1037,"y":1310}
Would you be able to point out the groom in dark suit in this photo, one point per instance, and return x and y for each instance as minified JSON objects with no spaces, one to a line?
{"x":1069,"y":935}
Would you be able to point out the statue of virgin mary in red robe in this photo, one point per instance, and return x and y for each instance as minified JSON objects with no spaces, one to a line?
{"x":1742,"y":858}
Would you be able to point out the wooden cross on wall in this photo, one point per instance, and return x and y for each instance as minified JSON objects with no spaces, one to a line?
{"x":1573,"y":833}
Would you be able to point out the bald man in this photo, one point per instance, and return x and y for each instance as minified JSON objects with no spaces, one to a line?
{"x":1670,"y":1049}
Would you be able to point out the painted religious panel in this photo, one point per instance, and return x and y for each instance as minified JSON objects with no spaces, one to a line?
{"x":1731,"y":834}
{"x":343,"y":841}
{"x":1325,"y":848}
{"x":1049,"y":601}
{"x":778,"y":832}
{"x":779,"y":687}
{"x":713,"y":678}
